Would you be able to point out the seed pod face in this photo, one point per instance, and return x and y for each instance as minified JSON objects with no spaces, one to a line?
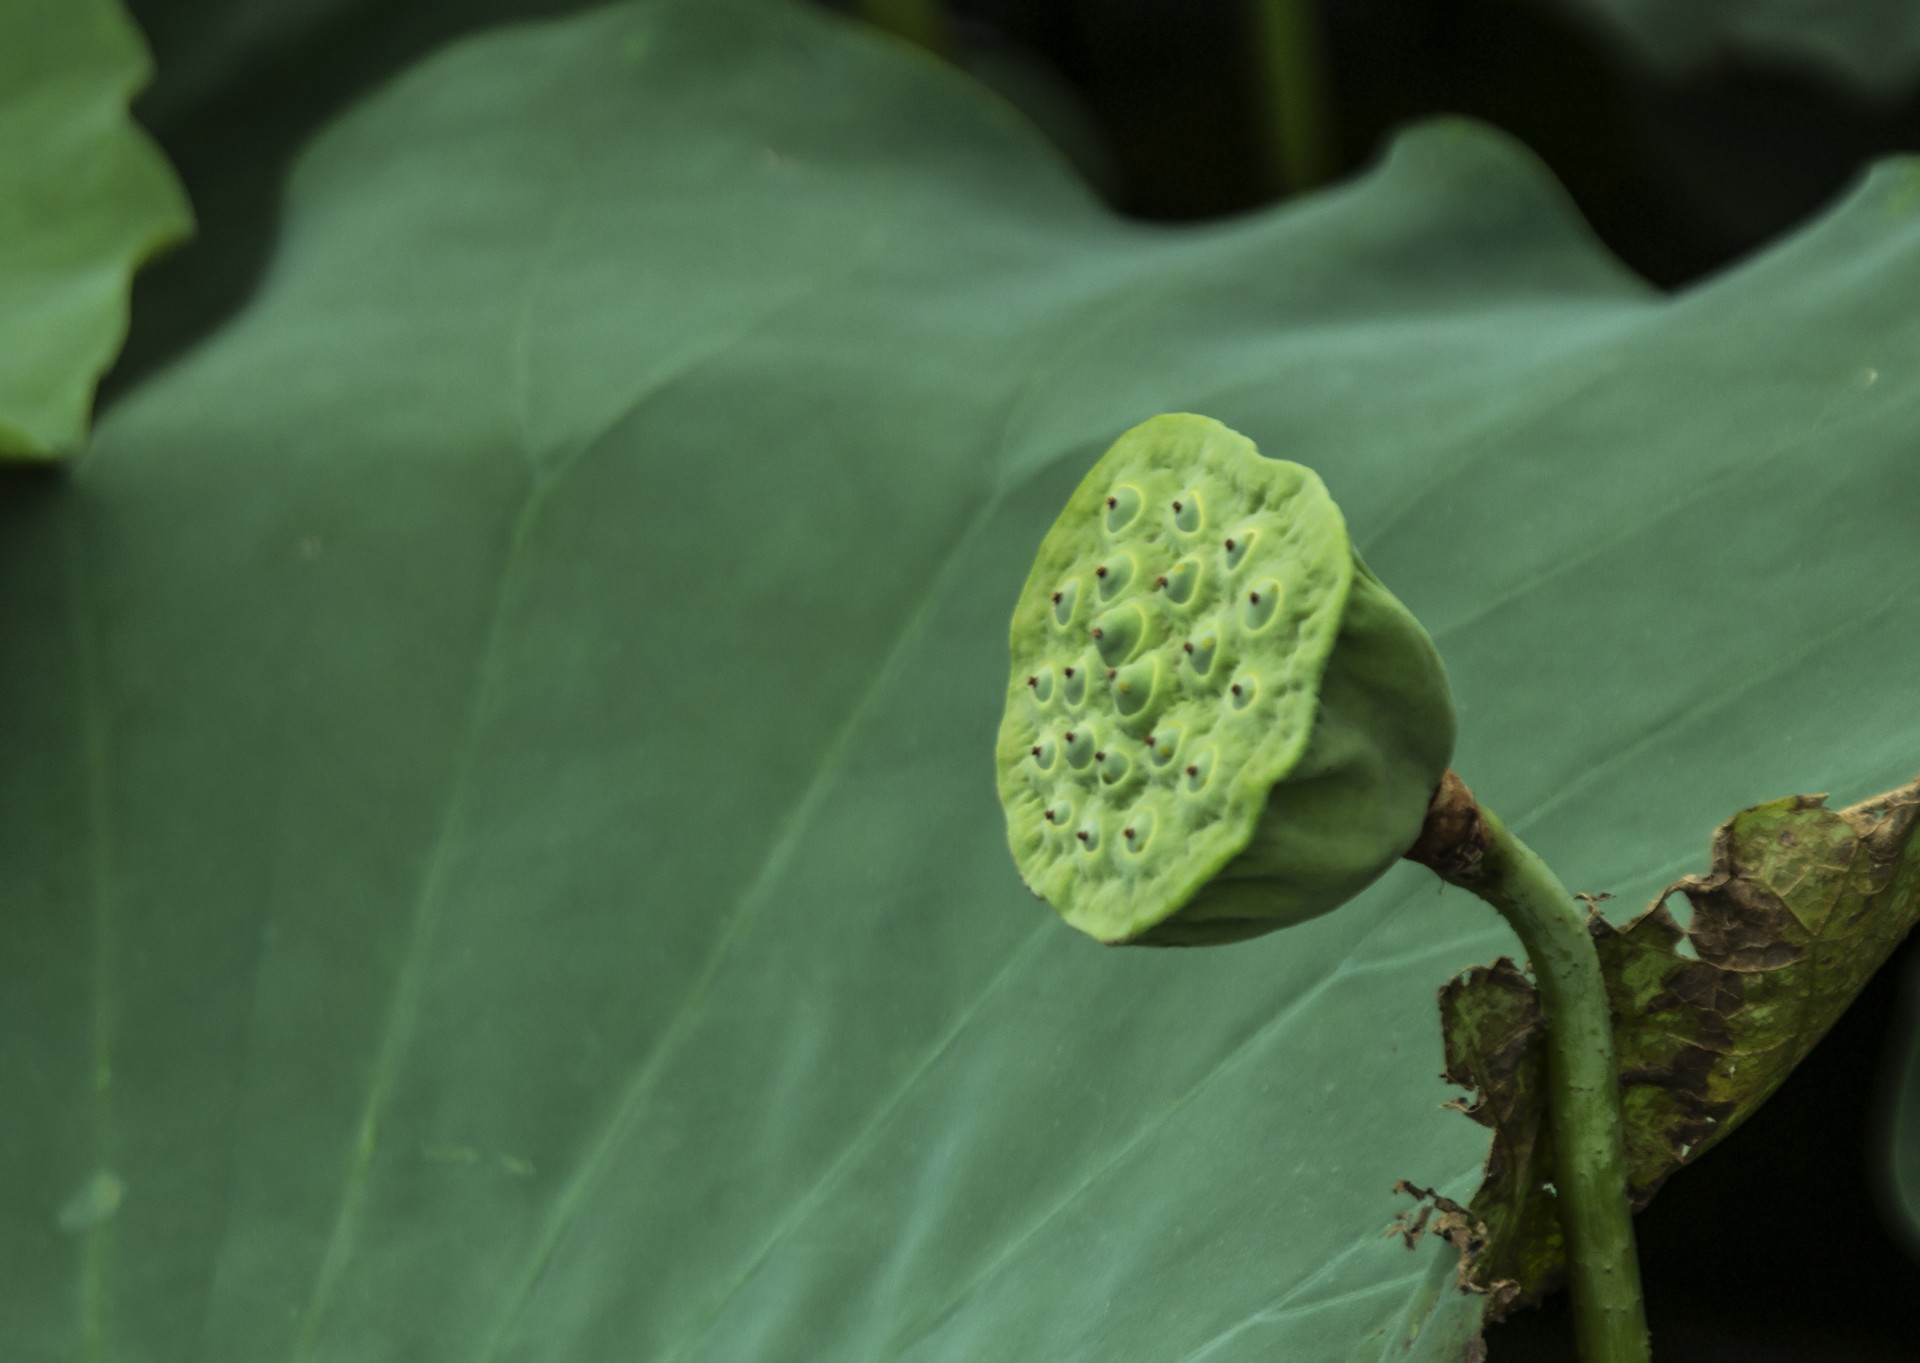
{"x":1218,"y":721}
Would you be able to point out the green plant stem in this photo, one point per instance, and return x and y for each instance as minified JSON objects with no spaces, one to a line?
{"x":1294,"y":90}
{"x":1590,"y":1163}
{"x":923,"y":22}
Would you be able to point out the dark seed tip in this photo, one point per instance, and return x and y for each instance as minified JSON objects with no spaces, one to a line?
{"x":1099,"y":572}
{"x":1111,"y":502}
{"x":1082,"y":835}
{"x":1099,"y":757}
{"x":1069,"y":671}
{"x":1128,"y":832}
{"x":1176,"y":506}
{"x":1056,"y":598}
{"x":1112,"y":672}
{"x":1236,"y":688}
{"x":1099,"y":634}
{"x":1191,"y":771}
{"x":1229,"y":544}
{"x":1036,"y":752}
{"x":1186,"y":647}
{"x":1254,"y":597}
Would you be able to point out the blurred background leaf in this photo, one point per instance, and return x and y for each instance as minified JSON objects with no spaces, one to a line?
{"x":1871,"y":45}
{"x":1168,"y":107}
{"x":84,"y":198}
{"x":1904,"y":1144}
{"x":508,"y":713}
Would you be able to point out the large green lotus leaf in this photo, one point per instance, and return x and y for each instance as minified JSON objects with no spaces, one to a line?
{"x":1872,"y":45}
{"x":84,"y":198}
{"x":501,"y":854}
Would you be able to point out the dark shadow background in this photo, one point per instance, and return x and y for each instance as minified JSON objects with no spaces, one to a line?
{"x":1781,"y":1245}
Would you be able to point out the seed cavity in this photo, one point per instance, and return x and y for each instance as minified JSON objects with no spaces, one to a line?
{"x":1044,"y":754}
{"x":1041,"y":684}
{"x":1183,"y":579}
{"x":1073,"y":685}
{"x":1188,"y":514}
{"x":1114,"y":575}
{"x":1139,"y":831}
{"x":1079,"y":746}
{"x":1241,"y":694}
{"x":1199,"y":771}
{"x":1123,"y":507}
{"x":1133,"y":688}
{"x":1065,"y":598}
{"x":1089,"y":836}
{"x":1117,"y":632}
{"x":1260,"y":605}
{"x":1200,"y":652}
{"x":1164,"y":745}
{"x":1114,"y":766}
{"x":1237,"y":546}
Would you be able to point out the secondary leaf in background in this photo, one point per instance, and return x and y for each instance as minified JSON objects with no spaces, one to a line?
{"x":1906,"y":1121}
{"x":1872,"y":45}
{"x":500,"y":849}
{"x":84,"y":198}
{"x":241,"y":86}
{"x":1802,"y":906}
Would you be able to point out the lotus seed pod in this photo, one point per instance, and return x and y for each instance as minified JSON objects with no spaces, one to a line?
{"x":1219,"y":722}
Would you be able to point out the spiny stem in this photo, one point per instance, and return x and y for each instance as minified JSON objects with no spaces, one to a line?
{"x":1468,"y":846}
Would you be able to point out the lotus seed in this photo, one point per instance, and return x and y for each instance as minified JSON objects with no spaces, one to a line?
{"x":1183,"y":580}
{"x":1063,"y":603}
{"x":1123,"y":507}
{"x":1262,"y":605}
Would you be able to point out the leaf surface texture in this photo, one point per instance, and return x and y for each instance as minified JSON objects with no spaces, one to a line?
{"x":502,"y":859}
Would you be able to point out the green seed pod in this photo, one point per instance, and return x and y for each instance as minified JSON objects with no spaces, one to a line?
{"x":1219,"y":722}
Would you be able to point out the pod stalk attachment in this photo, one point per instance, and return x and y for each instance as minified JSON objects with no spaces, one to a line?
{"x":1466,"y":845}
